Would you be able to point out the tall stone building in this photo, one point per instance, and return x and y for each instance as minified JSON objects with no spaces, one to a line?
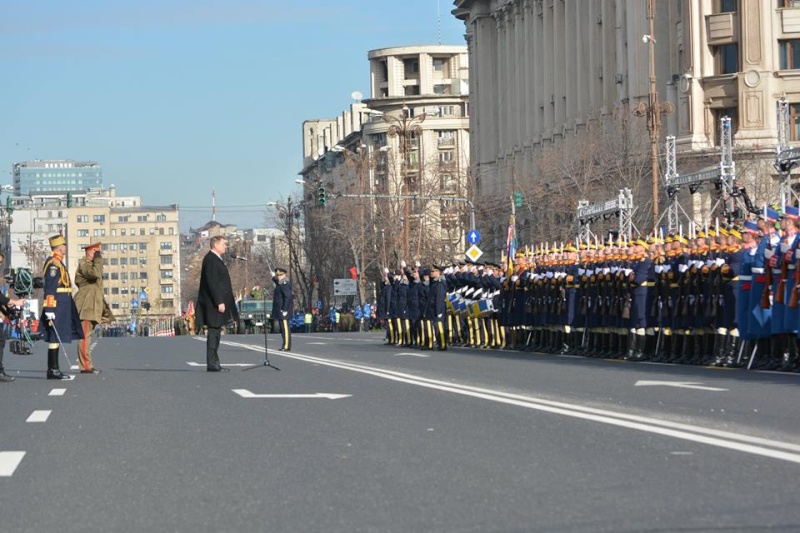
{"x":544,"y":69}
{"x":409,"y":138}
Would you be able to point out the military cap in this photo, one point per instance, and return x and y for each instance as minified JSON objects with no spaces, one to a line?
{"x":57,"y":240}
{"x":93,"y":245}
{"x":735,"y":233}
{"x":280,"y":270}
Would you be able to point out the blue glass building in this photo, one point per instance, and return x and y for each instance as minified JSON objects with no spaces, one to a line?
{"x":32,"y":177}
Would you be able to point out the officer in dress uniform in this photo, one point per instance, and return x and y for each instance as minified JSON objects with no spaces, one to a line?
{"x":750,"y":235}
{"x":383,"y":311}
{"x":436,"y":306}
{"x":60,"y":317}
{"x":282,"y":307}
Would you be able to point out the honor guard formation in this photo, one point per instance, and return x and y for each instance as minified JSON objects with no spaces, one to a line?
{"x":722,"y":296}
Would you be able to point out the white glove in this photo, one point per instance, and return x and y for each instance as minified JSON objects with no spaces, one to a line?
{"x":581,"y":271}
{"x":753,"y":252}
{"x":709,"y":262}
{"x":514,"y":278}
{"x":402,"y":264}
{"x":774,"y":240}
{"x":417,"y":264}
{"x":683,"y":268}
{"x":385,"y":270}
{"x":439,"y":315}
{"x":284,"y":313}
{"x":272,"y":273}
{"x":768,"y":253}
{"x":719,"y":261}
{"x":50,"y":316}
{"x":784,"y":248}
{"x":658,"y":269}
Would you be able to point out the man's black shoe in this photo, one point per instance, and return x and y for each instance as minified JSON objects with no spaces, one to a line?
{"x":220,"y":369}
{"x":91,"y":371}
{"x":5,"y":378}
{"x":56,"y":374}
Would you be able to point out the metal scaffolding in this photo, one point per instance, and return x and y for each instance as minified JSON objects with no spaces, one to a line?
{"x":621,"y":207}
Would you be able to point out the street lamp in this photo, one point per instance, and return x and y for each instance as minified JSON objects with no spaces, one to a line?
{"x":653,"y":109}
{"x":405,"y":127}
{"x":289,"y":213}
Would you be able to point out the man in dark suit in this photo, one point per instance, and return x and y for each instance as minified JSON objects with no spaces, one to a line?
{"x":215,"y":303}
{"x":282,"y":307}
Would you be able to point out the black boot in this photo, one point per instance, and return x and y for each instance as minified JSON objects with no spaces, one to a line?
{"x":53,"y":371}
{"x":720,"y":343}
{"x":790,"y":360}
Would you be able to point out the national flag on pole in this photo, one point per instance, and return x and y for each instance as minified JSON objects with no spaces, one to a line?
{"x":511,"y":244}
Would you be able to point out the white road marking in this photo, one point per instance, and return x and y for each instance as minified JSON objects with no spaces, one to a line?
{"x":9,"y":461}
{"x":39,"y":416}
{"x":74,"y":367}
{"x":677,"y":384}
{"x":244,"y":393}
{"x":57,"y":392}
{"x":320,"y":343}
{"x":722,"y":439}
{"x":412,"y":354}
{"x":192,"y":363}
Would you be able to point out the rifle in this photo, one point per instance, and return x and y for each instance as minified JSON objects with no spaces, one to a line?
{"x":766,"y":296}
{"x":780,"y":292}
{"x":794,"y":296}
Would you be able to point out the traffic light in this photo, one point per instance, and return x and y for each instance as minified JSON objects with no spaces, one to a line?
{"x":321,"y":196}
{"x":146,"y":305}
{"x":517,"y":199}
{"x":9,"y":205}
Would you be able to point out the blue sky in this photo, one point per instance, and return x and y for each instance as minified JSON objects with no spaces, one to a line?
{"x":178,"y":97}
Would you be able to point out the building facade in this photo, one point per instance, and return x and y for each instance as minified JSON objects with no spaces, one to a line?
{"x":140,"y":244}
{"x":544,"y":69}
{"x":49,"y":176}
{"x":409,"y":138}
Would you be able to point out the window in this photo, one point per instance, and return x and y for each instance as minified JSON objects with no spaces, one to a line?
{"x":141,"y":231}
{"x":123,"y":219}
{"x":114,"y":290}
{"x":446,"y":137}
{"x":731,"y":112}
{"x":114,"y":275}
{"x":166,"y":259}
{"x":83,"y":218}
{"x":788,"y":3}
{"x":166,"y":289}
{"x":141,"y":218}
{"x":727,"y":6}
{"x":441,"y":88}
{"x":99,"y":233}
{"x":166,"y":274}
{"x":412,"y":90}
{"x":790,"y":54}
{"x":83,"y":233}
{"x":113,"y":261}
{"x":448,"y":183}
{"x":166,"y":246}
{"x":134,"y":275}
{"x":99,"y":218}
{"x":142,"y":275}
{"x":142,"y":260}
{"x":161,"y":218}
{"x":794,"y":122}
{"x":445,"y":157}
{"x":143,"y":246}
{"x":410,"y":67}
{"x":438,"y":64}
{"x":123,"y":261}
{"x":726,"y":59}
{"x":122,"y":232}
{"x":113,"y":233}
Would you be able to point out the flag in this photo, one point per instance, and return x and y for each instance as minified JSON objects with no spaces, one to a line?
{"x":353,"y":272}
{"x":190,"y":309}
{"x":511,"y":245}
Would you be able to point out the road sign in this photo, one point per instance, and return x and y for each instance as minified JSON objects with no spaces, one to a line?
{"x":345,"y":287}
{"x":473,"y":237}
{"x":474,"y":253}
{"x":147,"y":290}
{"x":142,"y":295}
{"x":134,"y":303}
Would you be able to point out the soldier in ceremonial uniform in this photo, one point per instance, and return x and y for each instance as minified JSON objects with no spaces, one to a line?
{"x":385,"y":305}
{"x":282,"y":301}
{"x":436,"y":306}
{"x":60,"y":317}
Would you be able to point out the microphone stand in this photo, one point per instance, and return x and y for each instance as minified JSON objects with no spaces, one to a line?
{"x":265,"y":363}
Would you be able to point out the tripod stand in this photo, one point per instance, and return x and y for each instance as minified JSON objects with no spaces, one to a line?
{"x":265,"y":363}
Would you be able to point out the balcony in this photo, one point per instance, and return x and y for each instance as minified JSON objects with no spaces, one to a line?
{"x":720,"y":28}
{"x":447,"y":142}
{"x":790,"y":20}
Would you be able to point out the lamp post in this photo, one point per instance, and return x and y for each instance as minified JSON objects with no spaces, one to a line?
{"x":289,"y":213}
{"x":405,"y":127}
{"x":652,"y":109}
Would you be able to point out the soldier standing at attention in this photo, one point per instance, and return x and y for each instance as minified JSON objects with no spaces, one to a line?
{"x":92,"y":306}
{"x":282,"y":307}
{"x":59,"y":314}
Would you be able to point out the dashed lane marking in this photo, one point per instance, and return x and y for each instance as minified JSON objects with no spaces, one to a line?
{"x":9,"y":461}
{"x":412,"y":354}
{"x":57,"y":392}
{"x":39,"y":416}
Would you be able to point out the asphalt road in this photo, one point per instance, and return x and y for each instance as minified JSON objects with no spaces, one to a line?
{"x":400,"y":441}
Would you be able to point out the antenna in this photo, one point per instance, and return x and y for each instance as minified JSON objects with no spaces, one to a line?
{"x":213,"y":205}
{"x":439,"y":21}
